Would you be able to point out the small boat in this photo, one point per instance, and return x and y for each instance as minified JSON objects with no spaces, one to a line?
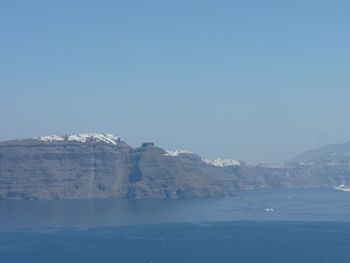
{"x":343,"y":187}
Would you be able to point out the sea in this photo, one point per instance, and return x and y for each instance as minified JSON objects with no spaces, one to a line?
{"x":272,"y":226}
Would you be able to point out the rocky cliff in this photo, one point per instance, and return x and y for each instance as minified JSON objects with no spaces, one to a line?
{"x":103,"y":166}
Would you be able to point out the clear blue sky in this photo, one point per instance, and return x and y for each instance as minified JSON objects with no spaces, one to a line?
{"x":254,"y":80}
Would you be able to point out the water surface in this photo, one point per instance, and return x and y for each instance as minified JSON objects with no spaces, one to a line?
{"x":255,"y":205}
{"x":309,"y":225}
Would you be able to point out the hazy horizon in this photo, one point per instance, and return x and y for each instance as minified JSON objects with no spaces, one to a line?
{"x":259,"y":81}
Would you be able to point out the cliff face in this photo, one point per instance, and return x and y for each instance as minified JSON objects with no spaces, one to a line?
{"x":64,"y":169}
{"x":103,"y":166}
{"x":295,"y":175}
{"x":34,"y":169}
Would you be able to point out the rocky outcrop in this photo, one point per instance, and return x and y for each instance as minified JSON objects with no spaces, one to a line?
{"x":296,"y":175}
{"x":103,"y":166}
{"x":65,"y":167}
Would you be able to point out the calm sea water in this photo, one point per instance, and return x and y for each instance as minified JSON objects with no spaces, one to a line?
{"x":256,"y":226}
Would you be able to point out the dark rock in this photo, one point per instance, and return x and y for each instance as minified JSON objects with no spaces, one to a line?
{"x":36,"y":169}
{"x":99,"y":167}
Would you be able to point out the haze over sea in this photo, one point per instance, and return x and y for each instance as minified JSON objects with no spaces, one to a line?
{"x":253,"y":82}
{"x":307,"y":225}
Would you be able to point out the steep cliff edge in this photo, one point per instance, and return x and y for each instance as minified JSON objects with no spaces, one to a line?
{"x":101,"y":166}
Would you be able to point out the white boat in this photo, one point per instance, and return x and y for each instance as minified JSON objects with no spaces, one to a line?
{"x":343,"y":187}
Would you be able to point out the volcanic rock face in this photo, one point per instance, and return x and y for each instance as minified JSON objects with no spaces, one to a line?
{"x":326,"y":167}
{"x":294,"y":175}
{"x":101,"y":166}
